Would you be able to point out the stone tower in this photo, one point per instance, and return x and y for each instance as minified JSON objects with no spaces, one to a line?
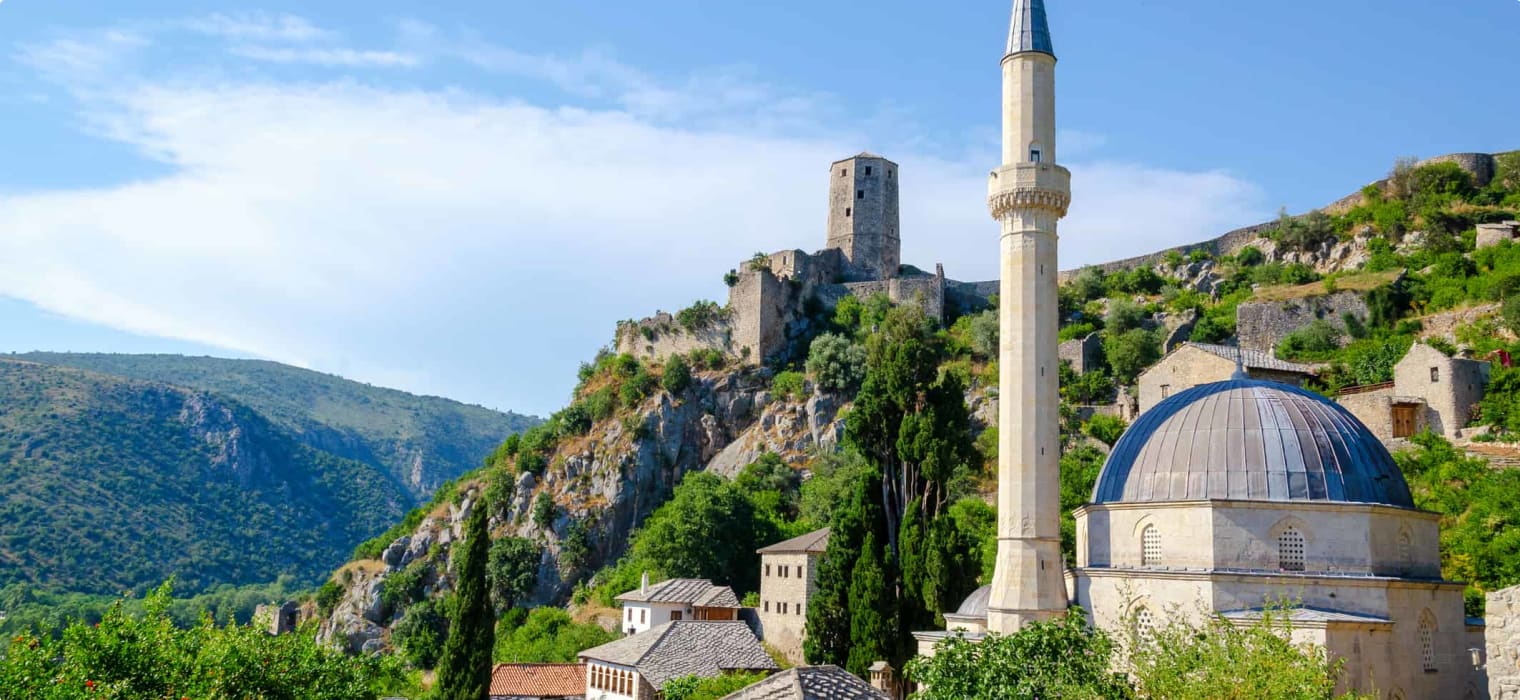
{"x":1027,"y":195}
{"x":863,"y":216}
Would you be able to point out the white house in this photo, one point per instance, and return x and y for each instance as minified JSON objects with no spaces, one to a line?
{"x":675,"y":600}
{"x":637,"y":667}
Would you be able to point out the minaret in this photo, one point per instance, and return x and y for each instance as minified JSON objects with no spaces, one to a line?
{"x":1027,"y":195}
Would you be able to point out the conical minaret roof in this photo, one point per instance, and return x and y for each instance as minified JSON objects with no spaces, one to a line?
{"x":1030,"y":31}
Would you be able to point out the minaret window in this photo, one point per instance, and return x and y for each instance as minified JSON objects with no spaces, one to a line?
{"x":1290,"y":550}
{"x":1150,"y":546}
{"x":846,"y":212}
{"x":1404,"y":553}
{"x":1427,"y":642}
{"x":1034,"y":155}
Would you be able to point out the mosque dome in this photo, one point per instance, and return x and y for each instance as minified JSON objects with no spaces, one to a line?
{"x":975,"y":604}
{"x":1250,"y":440}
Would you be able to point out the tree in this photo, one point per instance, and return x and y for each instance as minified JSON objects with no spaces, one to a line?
{"x":828,"y":612}
{"x":873,"y":628}
{"x":1131,"y":352}
{"x":677,"y":375}
{"x":836,"y":363}
{"x":697,"y":688}
{"x":513,"y":570}
{"x":1104,"y":428}
{"x":419,"y":634}
{"x":464,"y":669}
{"x":1062,"y":658}
{"x":984,"y":333}
{"x":1123,"y":315}
{"x":547,"y":635}
{"x":706,"y":530}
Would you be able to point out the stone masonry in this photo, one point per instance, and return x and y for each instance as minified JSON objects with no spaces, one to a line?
{"x":863,"y":216}
{"x":1262,"y":325}
{"x":1502,"y":643}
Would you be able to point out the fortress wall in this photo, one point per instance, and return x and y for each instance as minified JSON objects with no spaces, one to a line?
{"x":1262,"y":325}
{"x":661,"y":336}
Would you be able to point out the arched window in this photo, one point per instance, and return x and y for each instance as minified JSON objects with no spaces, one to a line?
{"x":1145,"y":623}
{"x":1428,"y":641}
{"x":1150,"y":546}
{"x":1290,"y":550}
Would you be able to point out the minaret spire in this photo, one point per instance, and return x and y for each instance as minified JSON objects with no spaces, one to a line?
{"x":1028,"y":194}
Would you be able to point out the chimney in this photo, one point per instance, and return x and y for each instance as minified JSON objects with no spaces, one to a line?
{"x":883,"y":678}
{"x":644,"y":584}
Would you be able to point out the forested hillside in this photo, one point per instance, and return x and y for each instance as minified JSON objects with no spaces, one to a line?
{"x":115,"y":484}
{"x":420,"y":441}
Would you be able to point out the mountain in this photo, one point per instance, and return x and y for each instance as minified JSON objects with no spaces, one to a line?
{"x":419,"y":441}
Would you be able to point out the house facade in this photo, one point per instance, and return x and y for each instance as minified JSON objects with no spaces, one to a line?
{"x":674,"y":600}
{"x":788,"y":579}
{"x":1429,"y":390}
{"x":637,"y":667}
{"x":1192,"y":364}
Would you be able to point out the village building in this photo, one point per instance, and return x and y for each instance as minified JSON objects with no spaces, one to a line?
{"x":1429,"y":390}
{"x":676,"y":599}
{"x":788,"y":579}
{"x":811,"y":683}
{"x":277,"y":619}
{"x":538,"y":682}
{"x":1192,"y":364}
{"x":637,"y":667}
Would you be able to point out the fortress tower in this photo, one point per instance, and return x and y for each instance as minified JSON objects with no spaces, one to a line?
{"x":863,"y":216}
{"x":1027,"y":195}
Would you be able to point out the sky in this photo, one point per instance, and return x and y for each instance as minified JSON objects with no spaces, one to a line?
{"x":463,"y":198}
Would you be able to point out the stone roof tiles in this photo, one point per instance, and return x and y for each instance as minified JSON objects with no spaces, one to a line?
{"x":686,"y":648}
{"x":685,"y":591}
{"x":539,"y":680}
{"x":814,"y":542}
{"x":1309,"y":615}
{"x":810,"y":683}
{"x":1253,"y":359}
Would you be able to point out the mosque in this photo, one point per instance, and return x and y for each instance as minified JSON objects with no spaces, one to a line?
{"x":1223,"y":499}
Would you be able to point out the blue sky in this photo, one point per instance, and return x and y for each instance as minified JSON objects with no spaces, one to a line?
{"x":462,"y":198}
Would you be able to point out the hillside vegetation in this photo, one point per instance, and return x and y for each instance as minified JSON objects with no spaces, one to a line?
{"x":419,"y":441}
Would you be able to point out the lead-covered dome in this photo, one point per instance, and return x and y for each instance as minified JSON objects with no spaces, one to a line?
{"x":1250,"y":440}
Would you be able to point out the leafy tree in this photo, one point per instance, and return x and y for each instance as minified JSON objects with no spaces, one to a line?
{"x":984,"y":333}
{"x":836,"y":363}
{"x":464,"y":668}
{"x":677,"y":375}
{"x":513,"y":570}
{"x":696,"y":688}
{"x":1131,"y":352}
{"x":419,"y":634}
{"x":834,"y":476}
{"x":1104,"y":428}
{"x":1124,"y":315}
{"x":547,"y":635}
{"x":706,"y":530}
{"x":1305,"y":232}
{"x":1062,"y":658}
{"x":544,"y":511}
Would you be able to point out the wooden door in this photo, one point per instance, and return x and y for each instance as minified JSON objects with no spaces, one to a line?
{"x":1403,"y":421}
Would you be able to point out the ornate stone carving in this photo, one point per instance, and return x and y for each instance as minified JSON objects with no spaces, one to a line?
{"x":1053,"y":201}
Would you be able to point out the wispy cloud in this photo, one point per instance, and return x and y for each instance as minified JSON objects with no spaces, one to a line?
{"x":257,"y":26}
{"x":335,"y":57}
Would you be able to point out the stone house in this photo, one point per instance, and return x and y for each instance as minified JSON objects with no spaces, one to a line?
{"x":1492,"y":234}
{"x":1192,"y":364}
{"x":788,"y":579}
{"x":637,"y":667}
{"x":1084,"y":354}
{"x":810,"y":683}
{"x":674,"y":600}
{"x":277,"y":619}
{"x":1429,"y":390}
{"x":538,"y":682}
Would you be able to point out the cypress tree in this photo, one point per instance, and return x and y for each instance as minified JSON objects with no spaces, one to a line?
{"x":464,"y":670}
{"x":873,"y":624}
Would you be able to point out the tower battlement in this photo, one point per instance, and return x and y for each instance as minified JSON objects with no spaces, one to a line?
{"x":863,"y":217}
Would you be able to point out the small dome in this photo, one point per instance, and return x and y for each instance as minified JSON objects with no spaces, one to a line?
{"x":1250,"y":440}
{"x":975,"y":604}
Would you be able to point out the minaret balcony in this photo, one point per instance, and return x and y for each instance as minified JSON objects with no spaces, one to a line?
{"x":1029,"y":185}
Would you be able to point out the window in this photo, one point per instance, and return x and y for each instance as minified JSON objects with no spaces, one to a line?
{"x":1034,"y":155}
{"x":1427,"y":641}
{"x":1404,"y":552}
{"x":860,"y":194}
{"x":846,"y":212}
{"x":868,"y":171}
{"x":1145,"y":623}
{"x":799,"y":610}
{"x":1435,"y":375}
{"x":1290,"y":550}
{"x":765,"y":605}
{"x":643,"y":615}
{"x":630,"y":614}
{"x":799,"y":572}
{"x":1166,"y":390}
{"x":844,"y":172}
{"x":1150,"y":549}
{"x":889,"y":173}
{"x":675,"y":615}
{"x":768,"y":566}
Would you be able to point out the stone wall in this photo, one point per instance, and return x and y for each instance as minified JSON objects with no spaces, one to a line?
{"x":784,"y":598}
{"x":863,"y":217}
{"x":1502,"y":643}
{"x":1228,"y":244}
{"x":661,"y":336}
{"x":1084,"y":354}
{"x":1480,"y":165}
{"x":1492,"y":234}
{"x":1450,"y":387}
{"x":1262,"y":325}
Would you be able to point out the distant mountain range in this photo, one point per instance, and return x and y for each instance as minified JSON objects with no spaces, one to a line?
{"x":122,"y":470}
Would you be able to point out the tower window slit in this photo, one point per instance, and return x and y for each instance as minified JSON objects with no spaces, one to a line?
{"x":846,"y":212}
{"x":868,"y":171}
{"x":860,"y":194}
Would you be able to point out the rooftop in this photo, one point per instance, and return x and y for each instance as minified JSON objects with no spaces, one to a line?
{"x":1030,"y":31}
{"x":1253,"y":359}
{"x":812,"y":543}
{"x":810,"y":683}
{"x":686,"y":648}
{"x":539,"y":680}
{"x":1307,"y":615}
{"x":698,"y":592}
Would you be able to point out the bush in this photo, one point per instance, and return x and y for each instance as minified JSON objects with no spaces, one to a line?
{"x":677,"y":375}
{"x":759,"y":262}
{"x":546,"y":636}
{"x":1104,"y":428}
{"x":1250,"y":256}
{"x":328,"y":596}
{"x":1123,"y":315}
{"x":696,"y":688}
{"x":544,"y":511}
{"x":1306,"y":232}
{"x":1316,"y":341}
{"x":1074,"y":331}
{"x":419,"y":634}
{"x":1058,"y":659}
{"x":789,"y":385}
{"x":1131,"y":352}
{"x":699,"y":315}
{"x":731,"y":277}
{"x":836,"y":363}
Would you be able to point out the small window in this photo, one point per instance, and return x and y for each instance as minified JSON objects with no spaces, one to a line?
{"x":1404,"y":552}
{"x":1145,"y":623}
{"x":643,"y":616}
{"x":799,"y":572}
{"x":765,"y":605}
{"x":783,"y":608}
{"x":1428,"y":642}
{"x":1290,"y":550}
{"x":860,"y":194}
{"x":1435,"y":375}
{"x":868,"y":171}
{"x":889,"y":173}
{"x":1166,"y":390}
{"x":675,"y":615}
{"x":846,"y":212}
{"x":844,"y":172}
{"x":799,"y":610}
{"x":1034,"y":155}
{"x":767,"y":570}
{"x":1150,"y":552}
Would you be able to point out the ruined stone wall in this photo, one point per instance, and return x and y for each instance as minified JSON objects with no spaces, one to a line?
{"x":1373,"y":408}
{"x":1492,"y":234}
{"x":1228,"y":244}
{"x":1262,"y":325}
{"x":661,"y":336}
{"x":1084,"y":354}
{"x":1502,"y":643}
{"x":1480,"y":165}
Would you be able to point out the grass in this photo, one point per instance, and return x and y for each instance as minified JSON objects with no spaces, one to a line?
{"x":1360,"y":282}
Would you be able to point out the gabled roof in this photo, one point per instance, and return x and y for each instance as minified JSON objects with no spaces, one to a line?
{"x":685,"y":591}
{"x":686,"y":648}
{"x":1253,"y":359}
{"x":539,"y":680}
{"x":1030,"y":31}
{"x":810,"y":683}
{"x":812,"y":543}
{"x":1307,"y":615}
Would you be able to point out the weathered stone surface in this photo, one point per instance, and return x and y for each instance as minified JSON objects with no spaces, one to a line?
{"x":395,"y":553}
{"x":1262,"y":325}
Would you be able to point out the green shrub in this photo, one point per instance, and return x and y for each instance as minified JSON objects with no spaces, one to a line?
{"x":1104,"y":428}
{"x":419,"y":634}
{"x":731,"y":277}
{"x":1074,"y":331}
{"x":544,"y":511}
{"x":699,"y":315}
{"x":1250,"y":256}
{"x":836,"y":363}
{"x":1123,"y":315}
{"x":677,"y":375}
{"x":1316,"y":341}
{"x":697,"y":688}
{"x":789,"y":385}
{"x":328,"y":596}
{"x":1130,"y":352}
{"x":759,"y":262}
{"x":547,"y":635}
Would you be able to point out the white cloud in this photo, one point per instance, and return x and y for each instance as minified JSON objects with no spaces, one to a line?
{"x":479,"y":247}
{"x":331,"y":57}
{"x":257,"y":26}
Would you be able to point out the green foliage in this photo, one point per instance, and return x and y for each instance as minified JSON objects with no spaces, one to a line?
{"x":1079,"y":474}
{"x":976,"y":532}
{"x":328,"y":596}
{"x":513,"y":570}
{"x":1306,"y":232}
{"x":700,"y":315}
{"x":1480,"y":513}
{"x":464,"y":668}
{"x":1088,"y":388}
{"x":873,"y":623}
{"x":1250,"y":256}
{"x":695,"y":688}
{"x":676,"y":376}
{"x":789,"y":385}
{"x":1131,"y":352}
{"x":1218,"y":659}
{"x":706,"y":530}
{"x":835,"y":475}
{"x":1063,"y":658}
{"x":1074,"y":331}
{"x":1317,"y":341}
{"x":1124,"y":315}
{"x":759,"y":262}
{"x":419,"y":635}
{"x":544,"y":511}
{"x":547,"y":635}
{"x":149,"y":656}
{"x":731,"y":278}
{"x":1104,"y":428}
{"x":836,"y":363}
{"x":984,"y":333}
{"x":401,"y":588}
